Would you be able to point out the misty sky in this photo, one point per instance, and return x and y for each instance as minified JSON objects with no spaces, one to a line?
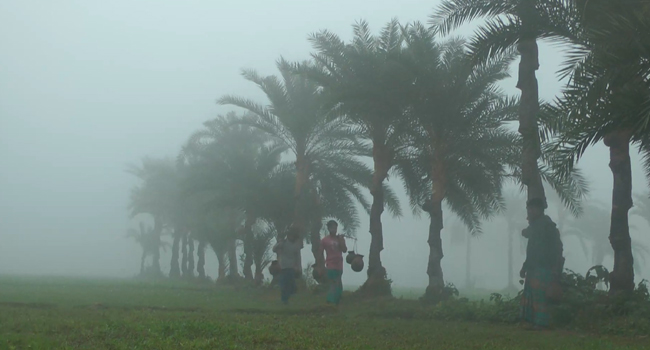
{"x":88,"y":86}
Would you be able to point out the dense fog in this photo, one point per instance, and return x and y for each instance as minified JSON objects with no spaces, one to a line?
{"x":88,"y":87}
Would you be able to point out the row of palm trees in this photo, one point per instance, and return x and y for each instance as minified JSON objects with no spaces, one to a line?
{"x":424,"y":108}
{"x":607,"y":96}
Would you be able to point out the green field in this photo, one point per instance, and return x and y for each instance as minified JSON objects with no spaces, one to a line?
{"x":56,"y":313}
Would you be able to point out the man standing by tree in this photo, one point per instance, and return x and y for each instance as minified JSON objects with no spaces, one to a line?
{"x":334,"y":246}
{"x":543,"y":265}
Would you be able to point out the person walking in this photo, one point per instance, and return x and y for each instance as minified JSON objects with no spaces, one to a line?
{"x":288,"y":251}
{"x":334,"y":246}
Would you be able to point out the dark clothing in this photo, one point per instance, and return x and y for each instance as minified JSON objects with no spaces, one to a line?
{"x":534,"y":305}
{"x":544,"y":248}
{"x":543,"y":265}
{"x":287,"y":284}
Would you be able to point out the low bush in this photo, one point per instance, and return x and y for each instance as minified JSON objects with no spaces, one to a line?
{"x":584,"y":306}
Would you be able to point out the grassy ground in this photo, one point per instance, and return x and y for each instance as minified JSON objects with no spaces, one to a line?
{"x":49,"y":313}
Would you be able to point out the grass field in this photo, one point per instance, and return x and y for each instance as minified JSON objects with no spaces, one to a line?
{"x":55,"y":313}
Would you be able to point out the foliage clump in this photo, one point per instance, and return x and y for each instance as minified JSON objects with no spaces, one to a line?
{"x":585,"y":305}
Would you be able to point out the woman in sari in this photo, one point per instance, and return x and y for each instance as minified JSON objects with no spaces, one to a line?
{"x":543,"y":264}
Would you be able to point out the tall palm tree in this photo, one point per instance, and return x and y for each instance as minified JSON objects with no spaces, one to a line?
{"x":325,"y":149}
{"x":362,"y":81}
{"x":509,"y":24}
{"x":607,"y":99}
{"x":461,"y":147}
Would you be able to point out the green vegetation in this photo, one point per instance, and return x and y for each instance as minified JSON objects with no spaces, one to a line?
{"x":53,"y":313}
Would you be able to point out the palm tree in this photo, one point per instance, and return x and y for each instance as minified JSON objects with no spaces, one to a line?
{"x":235,"y":164}
{"x":325,"y":149}
{"x":606,"y":99}
{"x":156,"y":195}
{"x":461,"y":147}
{"x":509,"y":24}
{"x":593,"y":227}
{"x":362,"y":81}
{"x":150,"y":243}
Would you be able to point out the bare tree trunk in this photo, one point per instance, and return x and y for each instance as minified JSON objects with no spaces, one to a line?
{"x":190,"y":257}
{"x":529,"y":106}
{"x":175,"y":270}
{"x":622,"y":276}
{"x":200,"y":266}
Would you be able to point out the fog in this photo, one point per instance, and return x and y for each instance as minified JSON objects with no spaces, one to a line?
{"x":87,"y":87}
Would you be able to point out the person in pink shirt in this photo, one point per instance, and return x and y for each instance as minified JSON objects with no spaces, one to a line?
{"x":334,"y":246}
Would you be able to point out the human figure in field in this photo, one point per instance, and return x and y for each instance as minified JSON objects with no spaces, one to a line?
{"x":334,"y":246}
{"x":543,"y":265}
{"x":288,"y":250}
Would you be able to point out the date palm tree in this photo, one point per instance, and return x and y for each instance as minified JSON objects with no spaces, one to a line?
{"x":460,"y":146}
{"x":361,"y":80}
{"x":607,"y":99}
{"x":593,"y":227}
{"x":514,"y":24}
{"x":150,"y":243}
{"x":236,"y":164}
{"x":156,"y":195}
{"x":326,"y":149}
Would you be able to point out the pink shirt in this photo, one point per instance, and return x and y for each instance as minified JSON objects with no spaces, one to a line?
{"x":334,"y":255}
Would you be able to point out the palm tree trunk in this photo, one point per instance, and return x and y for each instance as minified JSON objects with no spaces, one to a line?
{"x":302,"y":178}
{"x":233,"y":268}
{"x":144,"y":257}
{"x":175,"y":270}
{"x":156,"y":250}
{"x":376,"y":272}
{"x":184,"y":259}
{"x":248,"y":248}
{"x":468,"y":261}
{"x":529,"y":106}
{"x":434,"y":267}
{"x":190,"y":257}
{"x":200,"y":266}
{"x":511,"y":263}
{"x":622,"y":276}
{"x":438,"y":186}
{"x":259,"y":269}
{"x":316,"y":226}
{"x":221,"y":274}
